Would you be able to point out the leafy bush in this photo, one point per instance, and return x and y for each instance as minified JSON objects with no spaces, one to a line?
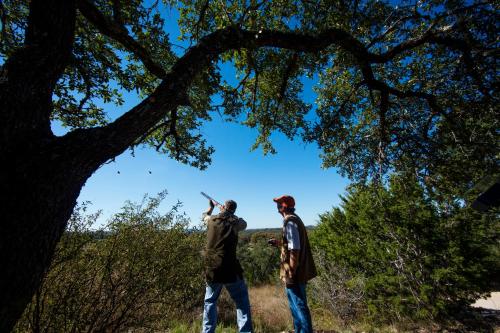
{"x":263,"y":236}
{"x":260,"y":261}
{"x":418,"y":257}
{"x":143,"y":271}
{"x":337,"y":290}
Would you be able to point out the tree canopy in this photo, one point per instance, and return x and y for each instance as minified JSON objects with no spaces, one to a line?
{"x":411,"y":84}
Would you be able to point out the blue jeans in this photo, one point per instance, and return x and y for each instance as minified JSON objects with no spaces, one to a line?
{"x":297,"y":301}
{"x":239,"y":293}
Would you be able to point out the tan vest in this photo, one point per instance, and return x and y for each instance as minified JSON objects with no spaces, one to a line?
{"x":306,"y":269}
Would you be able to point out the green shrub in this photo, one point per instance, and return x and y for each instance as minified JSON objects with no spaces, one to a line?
{"x":337,"y":290}
{"x":263,"y":236}
{"x":260,"y":261}
{"x":143,"y":271}
{"x":417,"y":257}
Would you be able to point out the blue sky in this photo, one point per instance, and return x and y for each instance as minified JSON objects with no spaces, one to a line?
{"x":249,"y":178}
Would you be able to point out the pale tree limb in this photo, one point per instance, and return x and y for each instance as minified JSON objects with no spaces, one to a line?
{"x":119,"y":33}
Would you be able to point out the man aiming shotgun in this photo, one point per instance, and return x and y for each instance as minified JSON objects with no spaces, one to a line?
{"x":222,"y":267}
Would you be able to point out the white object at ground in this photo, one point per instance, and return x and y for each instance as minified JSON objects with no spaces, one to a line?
{"x":492,"y":302}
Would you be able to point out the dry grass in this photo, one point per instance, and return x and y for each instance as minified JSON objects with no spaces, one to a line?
{"x":270,"y":308}
{"x":269,"y":305}
{"x":324,"y":321}
{"x":270,"y":314}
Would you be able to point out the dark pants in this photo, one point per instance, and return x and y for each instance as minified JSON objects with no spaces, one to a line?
{"x":297,"y":301}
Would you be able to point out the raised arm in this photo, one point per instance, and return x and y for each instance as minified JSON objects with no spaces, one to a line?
{"x":206,"y":215}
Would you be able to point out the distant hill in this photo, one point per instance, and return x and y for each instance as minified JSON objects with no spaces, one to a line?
{"x":253,"y":231}
{"x":249,"y":232}
{"x":102,"y":234}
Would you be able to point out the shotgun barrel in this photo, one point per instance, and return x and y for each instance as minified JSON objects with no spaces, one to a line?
{"x":210,"y":198}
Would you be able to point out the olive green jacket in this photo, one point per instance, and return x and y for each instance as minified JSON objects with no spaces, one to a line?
{"x":222,"y":265}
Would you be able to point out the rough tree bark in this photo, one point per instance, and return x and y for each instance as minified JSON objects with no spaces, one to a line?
{"x":39,"y":186}
{"x":43,"y":174}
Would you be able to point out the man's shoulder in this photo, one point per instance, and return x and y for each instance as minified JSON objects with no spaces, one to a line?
{"x":226,"y":219}
{"x":292,"y":218}
{"x":207,"y":217}
{"x":223,"y":218}
{"x":213,"y":220}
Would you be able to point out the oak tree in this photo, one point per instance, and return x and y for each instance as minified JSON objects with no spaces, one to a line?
{"x":407,"y":85}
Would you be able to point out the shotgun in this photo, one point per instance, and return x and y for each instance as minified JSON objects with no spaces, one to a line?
{"x":210,"y":198}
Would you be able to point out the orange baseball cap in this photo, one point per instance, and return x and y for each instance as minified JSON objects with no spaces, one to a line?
{"x":286,"y":201}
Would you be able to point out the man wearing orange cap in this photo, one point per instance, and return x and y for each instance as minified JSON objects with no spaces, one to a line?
{"x":297,"y":264}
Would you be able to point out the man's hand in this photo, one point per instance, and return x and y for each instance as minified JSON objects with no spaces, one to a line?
{"x":211,"y":205}
{"x":274,"y":242}
{"x":294,"y":261}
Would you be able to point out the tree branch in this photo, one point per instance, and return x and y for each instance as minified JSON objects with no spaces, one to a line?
{"x":290,"y":68}
{"x":117,"y":12}
{"x":201,"y":17}
{"x":371,"y":82}
{"x":392,"y":28}
{"x":151,"y":130}
{"x":119,"y":33}
{"x":114,"y":138}
{"x":88,"y":86}
{"x":416,"y":15}
{"x":384,"y":107}
{"x":429,"y":37}
{"x":254,"y":91}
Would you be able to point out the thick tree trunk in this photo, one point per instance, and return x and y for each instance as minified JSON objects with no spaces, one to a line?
{"x":39,"y":193}
{"x":39,"y":185}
